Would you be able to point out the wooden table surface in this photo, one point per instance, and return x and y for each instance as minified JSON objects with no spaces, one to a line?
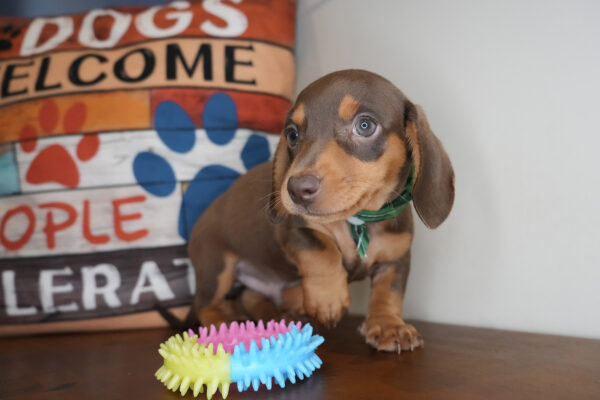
{"x":456,"y":363}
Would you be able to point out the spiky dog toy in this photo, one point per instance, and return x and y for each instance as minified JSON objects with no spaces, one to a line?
{"x":259,"y":355}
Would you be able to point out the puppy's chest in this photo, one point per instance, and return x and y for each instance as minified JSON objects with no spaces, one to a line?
{"x":384,"y":247}
{"x":356,"y":267}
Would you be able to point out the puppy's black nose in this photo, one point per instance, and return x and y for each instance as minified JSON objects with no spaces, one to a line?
{"x":303,"y":188}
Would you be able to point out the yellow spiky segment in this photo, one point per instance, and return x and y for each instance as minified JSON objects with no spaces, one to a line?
{"x":191,"y":366}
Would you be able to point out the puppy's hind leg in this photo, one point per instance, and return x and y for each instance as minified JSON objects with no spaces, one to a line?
{"x":215,"y":275}
{"x":257,"y":306}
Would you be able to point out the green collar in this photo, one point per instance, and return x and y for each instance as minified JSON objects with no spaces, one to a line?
{"x":358,"y":227}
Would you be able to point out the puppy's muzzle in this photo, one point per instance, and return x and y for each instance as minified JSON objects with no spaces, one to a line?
{"x":303,"y":189}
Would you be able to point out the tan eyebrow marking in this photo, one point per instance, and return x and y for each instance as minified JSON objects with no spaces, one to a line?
{"x":298,"y":115}
{"x":348,"y":107}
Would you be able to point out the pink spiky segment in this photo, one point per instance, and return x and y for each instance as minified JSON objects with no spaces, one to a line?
{"x":242,"y":332}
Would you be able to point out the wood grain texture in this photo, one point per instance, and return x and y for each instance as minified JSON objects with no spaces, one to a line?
{"x":117,"y":151}
{"x":260,"y":67}
{"x":127,"y":110}
{"x":456,"y":363}
{"x":268,"y":20}
{"x":127,"y":322}
{"x":256,"y":111}
{"x":119,"y":217}
{"x":92,"y":286}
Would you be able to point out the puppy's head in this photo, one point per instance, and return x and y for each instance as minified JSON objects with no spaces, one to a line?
{"x":348,"y":144}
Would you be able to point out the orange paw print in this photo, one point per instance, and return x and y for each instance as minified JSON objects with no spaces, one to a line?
{"x":54,"y":163}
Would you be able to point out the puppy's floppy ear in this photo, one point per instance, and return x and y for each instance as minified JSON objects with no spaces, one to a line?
{"x":281,"y":162}
{"x":433,"y":191}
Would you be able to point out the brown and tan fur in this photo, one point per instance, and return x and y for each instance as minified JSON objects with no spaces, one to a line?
{"x":271,"y":220}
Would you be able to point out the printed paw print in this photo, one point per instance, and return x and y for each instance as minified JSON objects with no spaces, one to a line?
{"x":7,"y":34}
{"x":176,"y":131}
{"x":54,"y":163}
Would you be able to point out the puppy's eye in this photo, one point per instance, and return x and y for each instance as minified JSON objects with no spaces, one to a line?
{"x":365,"y":127}
{"x":292,"y":137}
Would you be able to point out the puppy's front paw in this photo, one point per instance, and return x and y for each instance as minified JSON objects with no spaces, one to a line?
{"x":391,"y":334}
{"x":325,"y":300}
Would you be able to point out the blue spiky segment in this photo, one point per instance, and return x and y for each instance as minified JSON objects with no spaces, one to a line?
{"x":290,"y":356}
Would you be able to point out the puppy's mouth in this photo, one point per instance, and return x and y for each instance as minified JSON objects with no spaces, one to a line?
{"x":313,"y":211}
{"x":323,"y":215}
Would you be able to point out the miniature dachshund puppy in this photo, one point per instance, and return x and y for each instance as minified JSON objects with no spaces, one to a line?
{"x":330,"y":209}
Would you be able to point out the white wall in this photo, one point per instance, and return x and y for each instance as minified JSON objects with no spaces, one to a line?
{"x":512,"y":89}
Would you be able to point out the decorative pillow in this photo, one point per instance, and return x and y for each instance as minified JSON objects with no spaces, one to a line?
{"x":118,"y":127}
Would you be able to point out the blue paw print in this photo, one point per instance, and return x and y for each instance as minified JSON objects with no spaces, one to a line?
{"x":176,"y":131}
